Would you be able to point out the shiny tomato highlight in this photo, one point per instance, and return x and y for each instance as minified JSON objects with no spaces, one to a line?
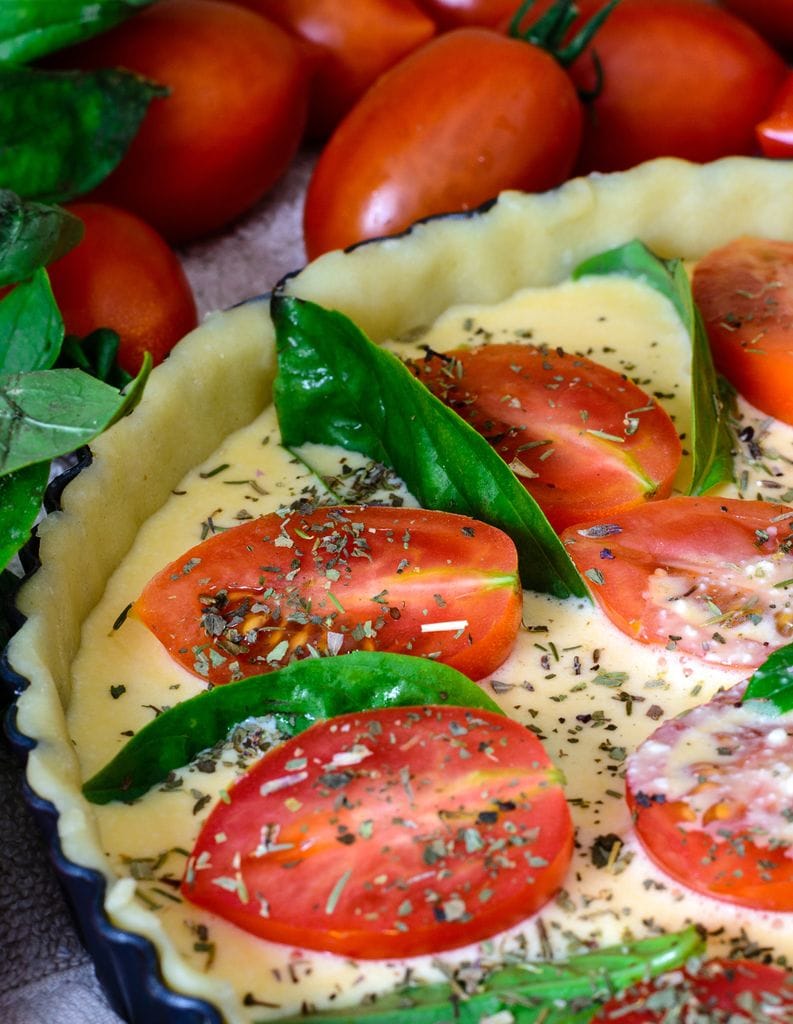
{"x":338,"y":579}
{"x":378,"y":834}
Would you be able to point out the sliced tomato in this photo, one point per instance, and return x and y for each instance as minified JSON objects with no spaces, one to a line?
{"x":711,"y":794}
{"x":745,"y":293}
{"x":718,"y":991}
{"x":584,"y":440}
{"x":712,"y":577}
{"x":332,"y":580}
{"x":388,"y":833}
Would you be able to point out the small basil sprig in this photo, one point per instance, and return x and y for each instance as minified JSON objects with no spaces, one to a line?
{"x":773,"y":681}
{"x":564,"y":992}
{"x":298,"y":695}
{"x":64,"y":131}
{"x":711,"y":443}
{"x":32,"y":235}
{"x":334,"y":386}
{"x":32,"y":28}
{"x":31,"y":326}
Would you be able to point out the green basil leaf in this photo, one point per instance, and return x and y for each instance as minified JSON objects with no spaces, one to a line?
{"x":537,"y":992}
{"x":297,"y":696}
{"x":20,"y":503}
{"x":31,"y":326}
{"x":711,"y":443}
{"x":96,"y":354}
{"x":31,"y":28}
{"x":32,"y":235}
{"x":773,"y":680}
{"x":334,"y":386}
{"x":64,"y":131}
{"x":52,"y":412}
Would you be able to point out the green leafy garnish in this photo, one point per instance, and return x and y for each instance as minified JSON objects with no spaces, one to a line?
{"x":711,"y":443}
{"x":334,"y":386}
{"x":565,"y":992}
{"x":32,"y":28}
{"x":64,"y":131}
{"x":773,"y":680}
{"x":96,"y":354}
{"x":297,"y":696}
{"x":31,"y":326}
{"x":20,"y":503}
{"x":32,"y":235}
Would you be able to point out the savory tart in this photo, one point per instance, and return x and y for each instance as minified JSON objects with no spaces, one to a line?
{"x":202,"y":454}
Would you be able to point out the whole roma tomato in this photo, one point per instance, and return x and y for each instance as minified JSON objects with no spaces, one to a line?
{"x":334,"y":580}
{"x":711,"y":577}
{"x":772,"y":19}
{"x":709,"y":797}
{"x":582,"y":439}
{"x":123,"y":275}
{"x":679,"y":78}
{"x":718,"y":991}
{"x":376,"y":834}
{"x":469,"y":114}
{"x":230,"y":126}
{"x":352,"y":43}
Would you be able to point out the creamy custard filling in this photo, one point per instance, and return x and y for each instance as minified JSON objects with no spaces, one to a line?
{"x":590,"y":693}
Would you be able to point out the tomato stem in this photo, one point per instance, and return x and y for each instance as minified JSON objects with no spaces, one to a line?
{"x":549,"y":31}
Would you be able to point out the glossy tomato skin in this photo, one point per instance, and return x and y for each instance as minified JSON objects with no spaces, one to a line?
{"x":745,"y":293}
{"x":704,"y":576}
{"x":775,"y":132}
{"x":351,"y":45}
{"x":772,"y":19}
{"x":337,"y":579}
{"x":230,"y":126}
{"x":582,"y":439}
{"x":463,"y":117}
{"x":680,"y":78}
{"x":719,"y":991}
{"x":389,"y":823}
{"x":123,"y":275}
{"x":708,"y":797}
{"x":449,"y":14}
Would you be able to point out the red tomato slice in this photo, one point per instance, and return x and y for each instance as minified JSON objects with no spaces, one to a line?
{"x":388,"y":833}
{"x":583,"y":440}
{"x":338,"y":579}
{"x":745,"y":293}
{"x":719,"y":991}
{"x":711,"y":794}
{"x":708,"y":576}
{"x":775,"y":132}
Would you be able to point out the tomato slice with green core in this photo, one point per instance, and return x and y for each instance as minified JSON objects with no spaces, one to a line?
{"x":327,"y":581}
{"x":708,"y":576}
{"x":710,"y":794}
{"x":718,"y":991}
{"x":385,"y":833}
{"x":582,"y":439}
{"x":745,"y":293}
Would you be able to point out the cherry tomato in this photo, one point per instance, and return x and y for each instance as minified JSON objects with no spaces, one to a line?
{"x":123,"y":275}
{"x":387,"y":826}
{"x":775,"y":132}
{"x":745,"y":293}
{"x":352,"y":45}
{"x":449,"y":14}
{"x":337,"y":579}
{"x":469,"y":114}
{"x":707,"y":576}
{"x":228,"y":130}
{"x":719,"y":991}
{"x":599,"y":447}
{"x":679,"y":78}
{"x":772,"y":19}
{"x":709,"y":795}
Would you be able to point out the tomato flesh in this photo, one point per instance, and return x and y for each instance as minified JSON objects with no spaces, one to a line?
{"x":582,"y":439}
{"x":706,"y":576}
{"x":710,"y":796}
{"x":745,"y":293}
{"x":388,"y":833}
{"x":337,"y":579}
{"x":719,"y":991}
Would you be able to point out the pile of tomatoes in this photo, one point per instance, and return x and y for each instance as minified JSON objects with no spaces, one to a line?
{"x":416,"y":107}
